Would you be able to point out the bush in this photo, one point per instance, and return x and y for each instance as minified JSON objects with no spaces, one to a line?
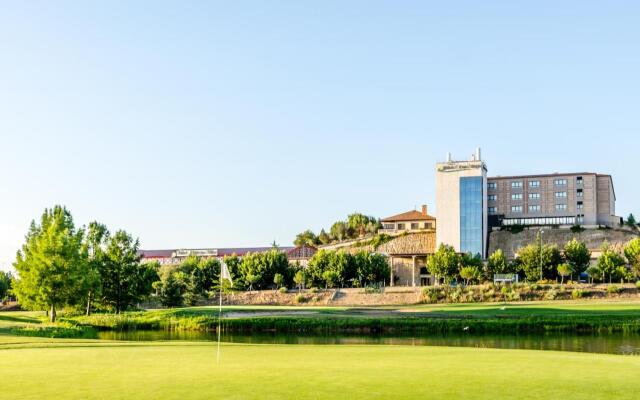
{"x":300,"y":298}
{"x":282,"y":290}
{"x":314,"y":290}
{"x":551,"y":294}
{"x":638,"y":284}
{"x":577,"y":229}
{"x":577,"y":293}
{"x":430,"y":294}
{"x":613,"y":289}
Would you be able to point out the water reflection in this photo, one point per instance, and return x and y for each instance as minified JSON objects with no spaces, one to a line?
{"x":599,"y":343}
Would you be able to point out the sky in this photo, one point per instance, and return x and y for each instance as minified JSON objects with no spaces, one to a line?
{"x":222,"y":124}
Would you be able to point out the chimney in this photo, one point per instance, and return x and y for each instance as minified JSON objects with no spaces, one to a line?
{"x":424,"y":209}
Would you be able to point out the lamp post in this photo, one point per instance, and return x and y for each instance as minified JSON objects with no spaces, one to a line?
{"x":540,"y":233}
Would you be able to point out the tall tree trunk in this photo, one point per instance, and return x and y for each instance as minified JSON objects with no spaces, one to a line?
{"x":52,"y":314}
{"x":89,"y":304}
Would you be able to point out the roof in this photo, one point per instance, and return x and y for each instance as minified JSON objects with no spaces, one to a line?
{"x":239,"y":251}
{"x":544,"y":175}
{"x":412,"y":215}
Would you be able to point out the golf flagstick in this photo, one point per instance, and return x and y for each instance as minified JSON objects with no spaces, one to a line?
{"x":224,"y":274}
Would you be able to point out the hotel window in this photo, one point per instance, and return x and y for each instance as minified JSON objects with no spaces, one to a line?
{"x":492,"y":197}
{"x":400,"y":226}
{"x":534,"y":184}
{"x":516,"y":196}
{"x":560,"y":195}
{"x":516,"y":209}
{"x":516,"y":184}
{"x":561,"y":207}
{"x":492,"y":185}
{"x":560,"y":182}
{"x":389,"y":226}
{"x":579,"y":193}
{"x":534,"y":196}
{"x":414,"y":225}
{"x":492,"y":210}
{"x":580,"y":205}
{"x":535,"y":208}
{"x":579,"y":180}
{"x":428,"y":225}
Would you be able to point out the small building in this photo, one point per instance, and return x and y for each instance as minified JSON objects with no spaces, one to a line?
{"x":300,"y":254}
{"x":410,"y":221}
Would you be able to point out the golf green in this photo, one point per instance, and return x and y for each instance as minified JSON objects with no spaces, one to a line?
{"x":38,"y":368}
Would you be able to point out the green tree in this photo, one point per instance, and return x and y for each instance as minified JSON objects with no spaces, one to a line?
{"x":535,"y":255}
{"x":609,"y":261}
{"x":125,"y":280}
{"x":496,"y":264}
{"x":172,"y":289}
{"x":323,"y":237}
{"x":251,"y":280}
{"x":632,"y":252}
{"x":95,"y":241}
{"x":443,"y":264}
{"x":278,"y":279}
{"x":306,"y":238}
{"x":299,"y":279}
{"x":361,"y":224}
{"x":593,"y":272}
{"x":564,"y":270}
{"x":577,"y":256}
{"x":5,"y":285}
{"x":339,"y":230}
{"x":631,"y":221}
{"x":470,"y":273}
{"x":331,"y":278}
{"x":52,"y":265}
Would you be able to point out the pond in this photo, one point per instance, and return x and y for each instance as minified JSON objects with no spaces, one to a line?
{"x":597,"y":343}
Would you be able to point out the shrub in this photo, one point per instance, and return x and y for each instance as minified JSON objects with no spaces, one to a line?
{"x":577,"y":293}
{"x":613,"y":289}
{"x":300,"y":298}
{"x":638,"y":284}
{"x":551,"y":294}
{"x":314,"y":290}
{"x":282,"y":290}
{"x":577,"y":229}
{"x":430,"y":294}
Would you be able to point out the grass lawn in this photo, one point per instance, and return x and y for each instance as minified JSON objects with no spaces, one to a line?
{"x":36,"y":368}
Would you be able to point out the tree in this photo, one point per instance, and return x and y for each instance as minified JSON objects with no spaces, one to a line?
{"x":306,"y":238}
{"x":360,"y":224}
{"x":631,"y":221}
{"x":577,"y":256}
{"x":278,"y":279}
{"x":443,"y":263}
{"x":95,"y":241}
{"x":564,"y":270}
{"x":125,"y":280}
{"x":496,"y":264}
{"x":299,"y":279}
{"x":331,"y":278}
{"x":5,"y":285}
{"x":593,"y":272}
{"x":535,"y":255}
{"x":52,"y":264}
{"x":632,"y":252}
{"x":323,"y":238}
{"x":609,"y":261}
{"x":172,"y":289}
{"x":339,"y":230}
{"x":469,"y":273}
{"x":251,"y":280}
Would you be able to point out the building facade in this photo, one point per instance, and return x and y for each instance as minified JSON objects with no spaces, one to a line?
{"x":461,"y":204}
{"x":584,"y":198}
{"x":410,"y":221}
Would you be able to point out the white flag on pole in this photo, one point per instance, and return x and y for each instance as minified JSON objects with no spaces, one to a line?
{"x":224,"y":273}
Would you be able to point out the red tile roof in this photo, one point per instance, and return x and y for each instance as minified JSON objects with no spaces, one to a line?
{"x":412,"y":215}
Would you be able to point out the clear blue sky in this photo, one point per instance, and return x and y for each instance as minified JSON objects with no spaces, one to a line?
{"x":211,"y":124}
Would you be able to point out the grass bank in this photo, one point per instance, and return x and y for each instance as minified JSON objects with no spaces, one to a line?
{"x":74,"y":369}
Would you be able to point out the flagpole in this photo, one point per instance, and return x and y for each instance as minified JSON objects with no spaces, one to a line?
{"x":219,"y":318}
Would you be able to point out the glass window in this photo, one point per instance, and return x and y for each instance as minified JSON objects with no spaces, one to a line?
{"x":561,"y":194}
{"x":534,"y":208}
{"x":580,"y":205}
{"x":579,"y":180}
{"x":579,"y":193}
{"x":534,"y":196}
{"x":516,"y":209}
{"x":492,"y":185}
{"x":561,"y":207}
{"x":492,"y":210}
{"x":492,"y":197}
{"x":471,"y":212}
{"x":516,"y":184}
{"x":388,"y":226}
{"x":400,"y":226}
{"x":534,"y":184}
{"x":414,"y":225}
{"x":560,"y":182}
{"x":516,"y":196}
